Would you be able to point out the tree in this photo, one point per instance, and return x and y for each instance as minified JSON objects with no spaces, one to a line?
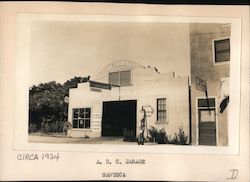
{"x":46,"y":102}
{"x":72,"y":83}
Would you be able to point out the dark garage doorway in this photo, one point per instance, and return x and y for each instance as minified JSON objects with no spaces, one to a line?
{"x":118,"y":116}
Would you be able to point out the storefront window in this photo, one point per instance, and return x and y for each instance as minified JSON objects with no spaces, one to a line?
{"x":161,"y":110}
{"x":81,"y":118}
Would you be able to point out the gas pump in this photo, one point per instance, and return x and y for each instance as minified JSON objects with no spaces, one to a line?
{"x":141,"y":138}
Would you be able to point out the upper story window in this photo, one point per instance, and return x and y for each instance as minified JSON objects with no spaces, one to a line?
{"x":222,"y":50}
{"x":120,"y":78}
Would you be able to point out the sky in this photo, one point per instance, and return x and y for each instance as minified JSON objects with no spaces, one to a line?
{"x":62,"y":50}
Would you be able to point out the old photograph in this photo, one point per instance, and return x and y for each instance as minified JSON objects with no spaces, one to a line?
{"x":124,"y":92}
{"x":129,"y":83}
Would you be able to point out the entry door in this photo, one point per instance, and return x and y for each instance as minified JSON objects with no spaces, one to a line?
{"x":207,"y":122}
{"x":117,"y":117}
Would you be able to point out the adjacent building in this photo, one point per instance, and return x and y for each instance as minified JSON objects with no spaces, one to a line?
{"x":210,"y":68}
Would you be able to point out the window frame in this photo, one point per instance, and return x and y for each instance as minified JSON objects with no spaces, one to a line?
{"x":119,"y":77}
{"x":161,"y":110}
{"x":214,"y":52}
{"x":81,"y":118}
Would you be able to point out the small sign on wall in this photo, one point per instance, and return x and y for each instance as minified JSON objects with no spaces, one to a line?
{"x":148,"y":109}
{"x":201,"y":84}
{"x":100,"y":85}
{"x":96,"y":122}
{"x":95,"y":89}
{"x":96,"y":126}
{"x":96,"y":115}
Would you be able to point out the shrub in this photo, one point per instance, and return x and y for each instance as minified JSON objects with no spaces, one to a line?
{"x":180,"y":138}
{"x":153,"y":132}
{"x":48,"y":126}
{"x":44,"y":125}
{"x":159,"y":137}
{"x":128,"y":135}
{"x":33,"y":128}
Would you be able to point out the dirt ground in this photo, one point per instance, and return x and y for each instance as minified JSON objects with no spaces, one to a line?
{"x":65,"y":139}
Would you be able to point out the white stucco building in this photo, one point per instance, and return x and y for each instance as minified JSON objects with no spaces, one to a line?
{"x":107,"y":111}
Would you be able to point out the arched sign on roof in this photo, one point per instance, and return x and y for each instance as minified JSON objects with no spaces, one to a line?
{"x":123,"y":64}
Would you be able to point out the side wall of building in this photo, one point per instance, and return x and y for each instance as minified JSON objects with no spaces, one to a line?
{"x":176,"y":93}
{"x":203,"y":66}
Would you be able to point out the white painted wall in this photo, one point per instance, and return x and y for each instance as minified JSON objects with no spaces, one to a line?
{"x":148,"y":85}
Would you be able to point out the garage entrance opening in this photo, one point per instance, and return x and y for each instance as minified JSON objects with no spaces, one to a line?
{"x":119,"y":116}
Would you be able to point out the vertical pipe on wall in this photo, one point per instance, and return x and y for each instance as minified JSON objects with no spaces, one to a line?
{"x":190,"y":113}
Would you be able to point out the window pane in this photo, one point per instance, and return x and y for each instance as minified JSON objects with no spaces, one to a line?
{"x":81,"y":114}
{"x":87,"y":123}
{"x":75,"y":123}
{"x":222,"y":45}
{"x":125,"y":78}
{"x":207,"y":116}
{"x":159,"y":107}
{"x":223,"y":56}
{"x":87,"y":113}
{"x":204,"y":102}
{"x":164,"y":107}
{"x":164,"y":104}
{"x":114,"y":78}
{"x":81,"y":123}
{"x":75,"y":113}
{"x":162,"y":116}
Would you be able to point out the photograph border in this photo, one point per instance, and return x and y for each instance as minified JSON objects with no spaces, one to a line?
{"x":22,"y":162}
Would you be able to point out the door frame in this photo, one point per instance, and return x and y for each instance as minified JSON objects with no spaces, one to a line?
{"x":197,"y":118}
